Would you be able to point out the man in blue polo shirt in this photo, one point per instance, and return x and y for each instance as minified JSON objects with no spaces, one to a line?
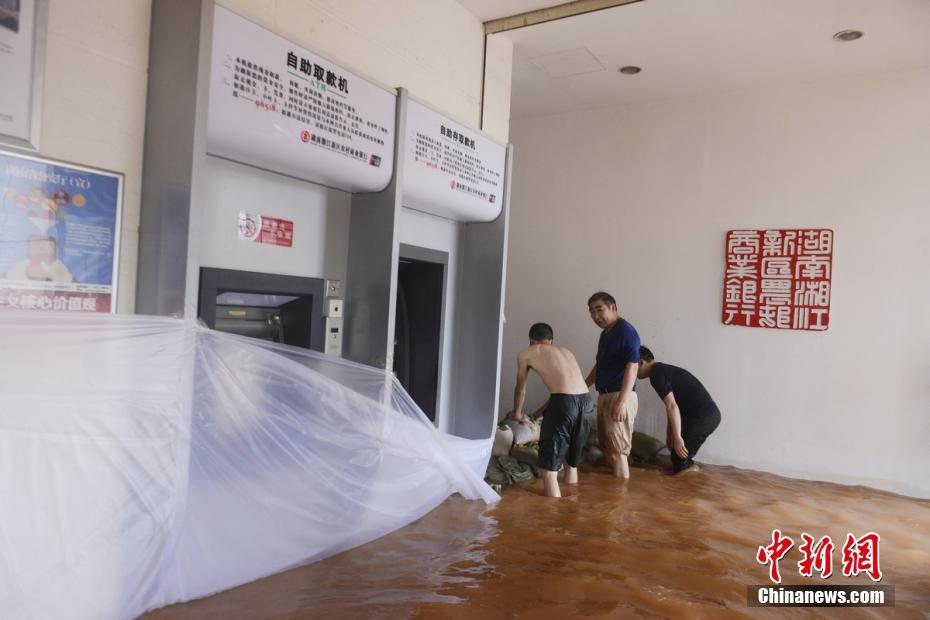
{"x":614,"y":376}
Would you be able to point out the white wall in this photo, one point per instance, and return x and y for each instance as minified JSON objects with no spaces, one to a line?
{"x":93,"y":110}
{"x":320,"y":216}
{"x":498,"y":76}
{"x":637,"y":200}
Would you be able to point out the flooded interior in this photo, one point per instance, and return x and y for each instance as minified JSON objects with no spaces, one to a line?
{"x":659,"y":546}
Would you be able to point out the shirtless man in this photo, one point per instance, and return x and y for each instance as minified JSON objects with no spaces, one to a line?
{"x":569,"y":412}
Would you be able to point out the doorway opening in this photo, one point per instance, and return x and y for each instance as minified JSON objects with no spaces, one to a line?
{"x":418,"y":326}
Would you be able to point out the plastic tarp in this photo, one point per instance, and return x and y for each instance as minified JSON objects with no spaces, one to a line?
{"x":146,"y":461}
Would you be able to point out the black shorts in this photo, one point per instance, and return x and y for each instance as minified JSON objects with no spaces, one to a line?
{"x":565,"y":428}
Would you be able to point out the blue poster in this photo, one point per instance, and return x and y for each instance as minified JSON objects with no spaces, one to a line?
{"x":59,"y":229}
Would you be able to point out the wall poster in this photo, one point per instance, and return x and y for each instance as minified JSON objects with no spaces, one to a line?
{"x":450,"y":170}
{"x":59,"y":235}
{"x":778,"y":278}
{"x":22,"y":54}
{"x":280,"y":107}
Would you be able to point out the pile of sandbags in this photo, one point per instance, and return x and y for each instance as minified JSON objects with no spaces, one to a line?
{"x":645,"y":448}
{"x":515,"y":455}
{"x":515,"y":452}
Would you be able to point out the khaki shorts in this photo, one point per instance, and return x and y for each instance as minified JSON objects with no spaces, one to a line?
{"x":615,"y":437}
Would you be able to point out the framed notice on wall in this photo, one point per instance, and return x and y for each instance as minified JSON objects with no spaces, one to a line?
{"x":59,"y":235}
{"x":22,"y":59}
{"x":779,"y":279}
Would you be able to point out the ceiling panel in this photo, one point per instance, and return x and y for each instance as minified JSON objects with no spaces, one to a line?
{"x":700,"y":47}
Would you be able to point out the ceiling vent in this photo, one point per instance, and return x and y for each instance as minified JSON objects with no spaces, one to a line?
{"x":568,"y":63}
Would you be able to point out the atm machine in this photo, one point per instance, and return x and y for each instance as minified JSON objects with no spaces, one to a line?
{"x":291,"y":310}
{"x":356,"y":181}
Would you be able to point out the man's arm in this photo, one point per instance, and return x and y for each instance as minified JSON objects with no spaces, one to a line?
{"x":591,"y":376}
{"x":519,"y":392}
{"x":621,"y":409}
{"x":675,"y":443}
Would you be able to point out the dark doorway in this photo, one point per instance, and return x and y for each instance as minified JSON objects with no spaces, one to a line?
{"x":418,"y":324}
{"x":286,"y":309}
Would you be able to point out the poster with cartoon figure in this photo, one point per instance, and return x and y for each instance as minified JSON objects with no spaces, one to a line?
{"x":59,"y":235}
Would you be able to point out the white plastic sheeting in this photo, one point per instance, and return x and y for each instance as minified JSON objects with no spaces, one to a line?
{"x":145,"y":461}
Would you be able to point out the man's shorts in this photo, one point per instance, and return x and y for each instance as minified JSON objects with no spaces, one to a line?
{"x":565,"y":427}
{"x":615,"y":437}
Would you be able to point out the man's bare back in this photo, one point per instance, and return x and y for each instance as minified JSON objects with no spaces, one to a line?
{"x":568,"y":412}
{"x":556,"y":366}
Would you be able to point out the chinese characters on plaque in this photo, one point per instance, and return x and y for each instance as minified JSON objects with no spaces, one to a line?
{"x":283,"y":108}
{"x":315,"y":99}
{"x":453,"y":153}
{"x":451,"y":171}
{"x":778,"y":278}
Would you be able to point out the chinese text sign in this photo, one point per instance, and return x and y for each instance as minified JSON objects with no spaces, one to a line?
{"x":265,"y":229}
{"x":778,"y":279}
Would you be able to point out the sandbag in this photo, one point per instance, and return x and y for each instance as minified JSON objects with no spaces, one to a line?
{"x":523,"y":433}
{"x":508,"y":470}
{"x":592,"y":454}
{"x":645,"y":448}
{"x":527,"y":455}
{"x":592,"y":434}
{"x":503,"y":440}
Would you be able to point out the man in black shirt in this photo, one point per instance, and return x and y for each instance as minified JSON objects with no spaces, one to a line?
{"x":692,"y":413}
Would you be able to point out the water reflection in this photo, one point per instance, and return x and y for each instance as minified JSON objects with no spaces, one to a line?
{"x":658,"y":546}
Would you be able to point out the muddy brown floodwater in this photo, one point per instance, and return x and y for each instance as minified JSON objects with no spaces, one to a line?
{"x":659,"y":546}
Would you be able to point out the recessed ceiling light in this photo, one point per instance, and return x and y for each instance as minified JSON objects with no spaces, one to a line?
{"x":848,"y":35}
{"x":629,"y":70}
